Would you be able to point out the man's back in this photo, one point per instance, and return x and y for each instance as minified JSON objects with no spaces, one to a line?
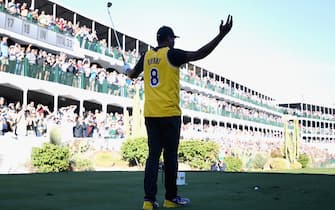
{"x":161,"y":85}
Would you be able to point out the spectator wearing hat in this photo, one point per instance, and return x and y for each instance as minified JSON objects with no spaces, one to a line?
{"x":11,"y":7}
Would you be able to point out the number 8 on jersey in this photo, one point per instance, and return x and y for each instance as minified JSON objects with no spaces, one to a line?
{"x":154,"y":79}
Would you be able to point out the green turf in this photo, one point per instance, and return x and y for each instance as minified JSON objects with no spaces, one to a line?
{"x":330,"y":171}
{"x":207,"y":190}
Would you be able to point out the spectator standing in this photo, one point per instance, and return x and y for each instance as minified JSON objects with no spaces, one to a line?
{"x":4,"y":53}
{"x":79,"y":128}
{"x":24,"y":11}
{"x":34,"y":15}
{"x":11,"y":7}
{"x":93,"y":77}
{"x":11,"y":58}
{"x":18,"y":9}
{"x":2,"y":103}
{"x":20,"y":54}
{"x":87,"y":73}
{"x":21,"y":121}
{"x":2,"y":5}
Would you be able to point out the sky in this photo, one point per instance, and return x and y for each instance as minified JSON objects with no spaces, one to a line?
{"x":283,"y":49}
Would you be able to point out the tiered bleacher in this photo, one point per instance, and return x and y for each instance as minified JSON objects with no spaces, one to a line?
{"x":58,"y":67}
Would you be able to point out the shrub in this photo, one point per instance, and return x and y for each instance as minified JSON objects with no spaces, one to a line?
{"x":276,"y":153}
{"x":197,"y":153}
{"x":80,"y":152}
{"x":304,"y":160}
{"x":279,"y":163}
{"x":296,"y":165}
{"x":104,"y":159}
{"x":258,"y":161}
{"x":51,"y":158}
{"x":233,"y":164}
{"x":81,"y":164}
{"x":135,"y":151}
{"x":79,"y":147}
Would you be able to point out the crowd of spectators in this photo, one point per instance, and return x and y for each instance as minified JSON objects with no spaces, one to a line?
{"x":118,"y":84}
{"x":214,"y":132}
{"x":209,"y":104}
{"x":33,"y":120}
{"x":87,"y":37}
{"x":318,"y":130}
{"x":74,"y":72}
{"x":222,"y":87}
{"x":206,"y":131}
{"x":245,"y":144}
{"x":311,"y":114}
{"x":71,"y":70}
{"x":22,"y":120}
{"x":81,"y":73}
{"x":36,"y":121}
{"x":94,"y":75}
{"x":246,"y":148}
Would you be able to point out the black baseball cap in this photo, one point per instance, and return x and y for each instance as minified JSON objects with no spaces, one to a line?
{"x":165,"y":32}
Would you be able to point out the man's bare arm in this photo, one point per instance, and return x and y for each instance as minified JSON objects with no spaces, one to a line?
{"x":137,"y":70}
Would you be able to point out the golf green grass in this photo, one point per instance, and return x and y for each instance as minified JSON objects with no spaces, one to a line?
{"x":207,"y":191}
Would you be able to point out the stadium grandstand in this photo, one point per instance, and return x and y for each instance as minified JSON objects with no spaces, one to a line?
{"x":59,"y":67}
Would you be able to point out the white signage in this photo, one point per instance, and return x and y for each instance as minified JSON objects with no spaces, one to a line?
{"x":2,"y":20}
{"x":13,"y":24}
{"x":34,"y":31}
{"x":29,"y":30}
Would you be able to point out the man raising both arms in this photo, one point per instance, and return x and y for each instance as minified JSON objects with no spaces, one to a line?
{"x":161,"y":109}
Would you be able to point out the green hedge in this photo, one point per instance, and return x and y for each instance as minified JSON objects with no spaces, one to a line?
{"x":196,"y":153}
{"x":104,"y":159}
{"x":81,"y":163}
{"x":295,"y":165}
{"x":304,"y":160}
{"x":233,"y":164}
{"x":276,"y":153}
{"x":279,"y":163}
{"x":135,"y":151}
{"x":259,"y":161}
{"x":51,"y":158}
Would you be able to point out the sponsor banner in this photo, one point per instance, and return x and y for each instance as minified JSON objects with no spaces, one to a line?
{"x":64,"y":41}
{"x":44,"y":36}
{"x":13,"y":24}
{"x":29,"y":30}
{"x":34,"y":31}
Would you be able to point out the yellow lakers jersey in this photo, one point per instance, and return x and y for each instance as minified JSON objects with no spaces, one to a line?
{"x":161,"y":85}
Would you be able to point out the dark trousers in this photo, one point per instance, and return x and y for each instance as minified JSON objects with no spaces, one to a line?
{"x":163,"y":134}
